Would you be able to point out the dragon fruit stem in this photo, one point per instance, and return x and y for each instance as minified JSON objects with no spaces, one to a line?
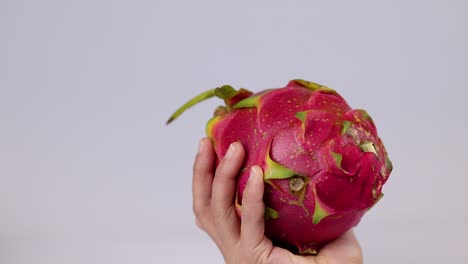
{"x":201,"y":97}
{"x":224,"y":92}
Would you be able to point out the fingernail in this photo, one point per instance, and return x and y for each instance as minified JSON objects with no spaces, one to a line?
{"x":230,"y":152}
{"x":201,"y":146}
{"x":255,"y":173}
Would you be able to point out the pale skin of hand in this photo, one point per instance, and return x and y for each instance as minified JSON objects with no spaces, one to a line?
{"x":244,"y":241}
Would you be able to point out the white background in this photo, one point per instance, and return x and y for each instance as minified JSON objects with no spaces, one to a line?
{"x":89,"y":173}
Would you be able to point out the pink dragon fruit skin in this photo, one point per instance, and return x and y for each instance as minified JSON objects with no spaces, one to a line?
{"x":324,"y":164}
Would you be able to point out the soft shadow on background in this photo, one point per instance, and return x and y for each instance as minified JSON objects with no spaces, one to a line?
{"x":89,"y":173}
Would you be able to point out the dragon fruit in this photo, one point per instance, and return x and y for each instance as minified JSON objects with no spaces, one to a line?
{"x":324,"y":164}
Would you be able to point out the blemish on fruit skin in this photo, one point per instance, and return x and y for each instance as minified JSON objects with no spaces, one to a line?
{"x":296,"y":184}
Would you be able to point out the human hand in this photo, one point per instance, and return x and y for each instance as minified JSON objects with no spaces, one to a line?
{"x":243,"y":241}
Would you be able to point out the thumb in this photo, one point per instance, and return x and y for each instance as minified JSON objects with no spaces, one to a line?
{"x":344,"y":249}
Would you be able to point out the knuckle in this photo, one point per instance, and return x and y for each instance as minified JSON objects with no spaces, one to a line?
{"x":250,"y":210}
{"x":227,"y":167}
{"x":245,"y":212}
{"x":221,"y":215}
{"x":199,"y":210}
{"x":199,"y":223}
{"x":220,"y":168}
{"x":203,"y":217}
